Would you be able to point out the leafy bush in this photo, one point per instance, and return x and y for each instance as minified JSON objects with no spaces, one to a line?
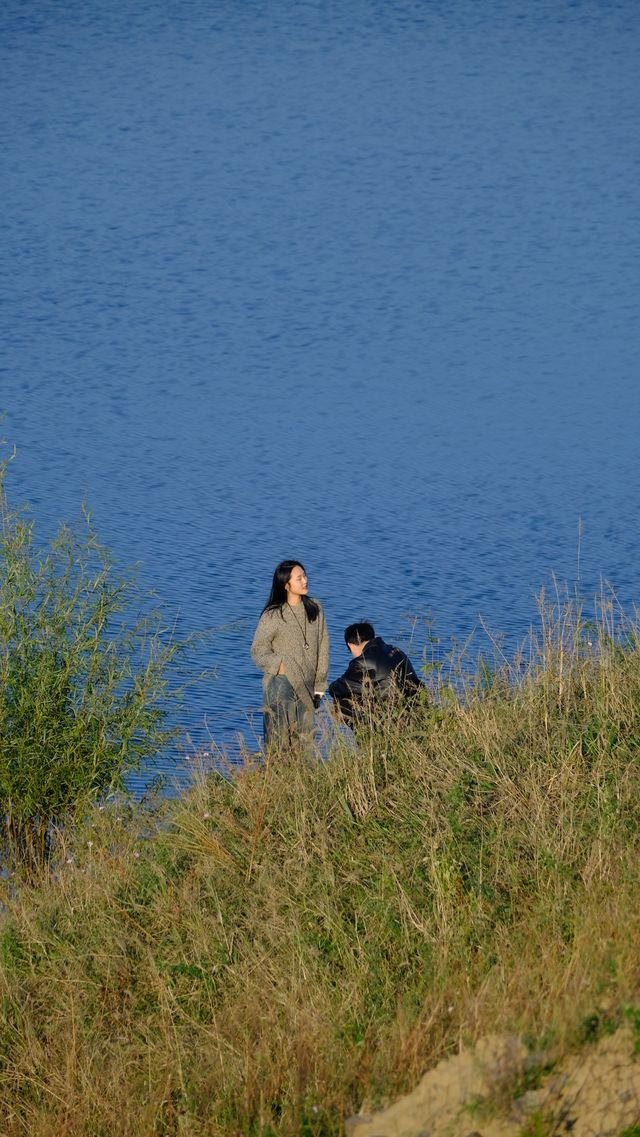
{"x":84,"y":679}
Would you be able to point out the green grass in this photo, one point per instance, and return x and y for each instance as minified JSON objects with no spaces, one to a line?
{"x":278,"y":948}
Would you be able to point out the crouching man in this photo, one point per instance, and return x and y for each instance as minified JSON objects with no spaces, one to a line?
{"x":378,"y":673}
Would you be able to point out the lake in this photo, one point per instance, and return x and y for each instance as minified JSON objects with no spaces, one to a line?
{"x":351,"y":283}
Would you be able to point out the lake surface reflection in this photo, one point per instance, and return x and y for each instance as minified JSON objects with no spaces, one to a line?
{"x":350,"y":283}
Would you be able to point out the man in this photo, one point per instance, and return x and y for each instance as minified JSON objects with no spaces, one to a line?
{"x":377,"y":671}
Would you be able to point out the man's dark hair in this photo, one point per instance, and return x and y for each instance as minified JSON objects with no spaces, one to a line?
{"x":359,"y":633}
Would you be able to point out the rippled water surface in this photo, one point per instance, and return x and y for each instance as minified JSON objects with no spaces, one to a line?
{"x":355,"y":283}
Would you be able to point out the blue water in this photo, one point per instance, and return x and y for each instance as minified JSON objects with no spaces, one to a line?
{"x":354,"y":283}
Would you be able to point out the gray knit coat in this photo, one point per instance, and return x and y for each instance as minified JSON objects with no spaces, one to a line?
{"x":280,"y":638}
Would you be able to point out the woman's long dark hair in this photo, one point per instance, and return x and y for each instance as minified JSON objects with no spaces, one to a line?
{"x":278,"y":595}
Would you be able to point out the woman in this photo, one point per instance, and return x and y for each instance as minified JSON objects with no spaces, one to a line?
{"x":291,"y":647}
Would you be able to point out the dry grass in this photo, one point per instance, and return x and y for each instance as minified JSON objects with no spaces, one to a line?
{"x":279,"y":947}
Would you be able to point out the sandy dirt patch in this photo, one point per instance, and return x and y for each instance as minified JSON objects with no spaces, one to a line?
{"x":482,"y":1093}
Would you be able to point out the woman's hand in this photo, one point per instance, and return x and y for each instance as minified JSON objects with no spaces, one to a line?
{"x":281,"y":670}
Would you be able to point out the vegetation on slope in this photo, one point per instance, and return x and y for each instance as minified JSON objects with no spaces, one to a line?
{"x":286,"y":943}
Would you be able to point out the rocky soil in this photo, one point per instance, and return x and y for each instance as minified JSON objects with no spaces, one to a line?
{"x":499,"y":1089}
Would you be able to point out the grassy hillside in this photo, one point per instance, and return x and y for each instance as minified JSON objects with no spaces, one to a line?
{"x":278,"y":947}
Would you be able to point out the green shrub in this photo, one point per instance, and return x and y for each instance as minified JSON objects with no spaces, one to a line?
{"x":84,"y":679}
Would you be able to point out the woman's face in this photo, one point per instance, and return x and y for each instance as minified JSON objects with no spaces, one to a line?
{"x":297,"y":582}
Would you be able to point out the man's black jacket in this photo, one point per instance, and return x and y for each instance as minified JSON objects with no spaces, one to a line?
{"x":382,"y":671}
